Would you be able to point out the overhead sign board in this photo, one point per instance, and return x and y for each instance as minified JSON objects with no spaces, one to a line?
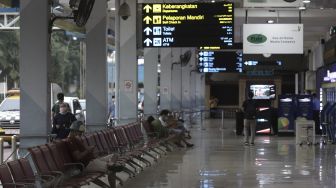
{"x":220,"y":61}
{"x":273,"y":3}
{"x":203,"y":25}
{"x":273,"y":39}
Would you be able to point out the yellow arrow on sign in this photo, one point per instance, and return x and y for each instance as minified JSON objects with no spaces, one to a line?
{"x":147,"y":19}
{"x":147,"y":8}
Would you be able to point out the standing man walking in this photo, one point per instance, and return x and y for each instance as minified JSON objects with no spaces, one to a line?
{"x":250,"y":113}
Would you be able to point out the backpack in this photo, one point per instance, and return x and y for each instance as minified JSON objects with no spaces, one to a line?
{"x":250,"y":109}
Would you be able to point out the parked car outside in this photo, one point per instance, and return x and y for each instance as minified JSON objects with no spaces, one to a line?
{"x":83,"y":105}
{"x":10,"y":114}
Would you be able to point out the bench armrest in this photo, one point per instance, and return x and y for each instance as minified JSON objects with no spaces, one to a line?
{"x":80,"y":165}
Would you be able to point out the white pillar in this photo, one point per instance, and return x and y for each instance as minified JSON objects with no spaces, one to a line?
{"x":176,"y":80}
{"x":34,"y":64}
{"x":165,"y":78}
{"x":193,"y":76}
{"x":198,"y":91}
{"x":203,"y":91}
{"x":186,"y":93}
{"x":150,"y":80}
{"x":96,"y":67}
{"x":127,"y":67}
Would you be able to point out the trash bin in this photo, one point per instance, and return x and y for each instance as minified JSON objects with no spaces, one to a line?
{"x":239,"y":122}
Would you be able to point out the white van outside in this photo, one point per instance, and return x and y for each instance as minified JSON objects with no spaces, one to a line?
{"x":75,"y":107}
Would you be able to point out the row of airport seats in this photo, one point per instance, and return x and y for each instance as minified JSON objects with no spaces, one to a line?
{"x":129,"y":148}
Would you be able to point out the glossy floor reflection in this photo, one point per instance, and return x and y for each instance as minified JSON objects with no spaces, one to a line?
{"x":219,"y":159}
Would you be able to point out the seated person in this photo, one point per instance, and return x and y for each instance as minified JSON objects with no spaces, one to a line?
{"x":150,"y":119}
{"x":178,"y":125}
{"x":85,"y":155}
{"x":172,"y":126}
{"x":79,"y":152}
{"x":62,"y":122}
{"x":157,"y":127}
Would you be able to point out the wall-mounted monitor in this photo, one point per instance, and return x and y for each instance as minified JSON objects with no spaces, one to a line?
{"x":220,"y":61}
{"x":265,"y":92}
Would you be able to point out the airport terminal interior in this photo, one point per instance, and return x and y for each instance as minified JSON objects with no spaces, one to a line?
{"x":168,"y":93}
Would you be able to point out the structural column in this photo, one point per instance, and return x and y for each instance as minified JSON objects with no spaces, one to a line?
{"x":34,"y":64}
{"x":296,"y":83}
{"x":186,"y":79}
{"x":151,"y":56}
{"x":203,"y":90}
{"x":176,"y":80}
{"x":96,"y":67}
{"x":193,"y":75}
{"x":126,"y":59}
{"x":199,"y":90}
{"x":165,"y":78}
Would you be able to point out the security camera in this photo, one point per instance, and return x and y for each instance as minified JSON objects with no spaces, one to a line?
{"x":124,"y":11}
{"x":124,"y":17}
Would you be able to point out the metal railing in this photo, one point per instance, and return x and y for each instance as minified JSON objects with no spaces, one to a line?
{"x":112,"y":122}
{"x":14,"y":153}
{"x":190,"y":116}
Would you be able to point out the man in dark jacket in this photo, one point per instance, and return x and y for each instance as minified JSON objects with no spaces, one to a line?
{"x":250,"y":113}
{"x":62,"y":121}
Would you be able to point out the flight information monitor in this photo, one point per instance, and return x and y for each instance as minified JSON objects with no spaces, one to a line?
{"x":202,"y":25}
{"x":220,"y":61}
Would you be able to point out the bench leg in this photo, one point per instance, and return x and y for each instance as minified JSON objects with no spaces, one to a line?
{"x":163,"y":151}
{"x":150,"y":155}
{"x":158,"y":153}
{"x":136,"y":164}
{"x":100,"y":183}
{"x":121,"y":182}
{"x":143,"y":160}
{"x":111,"y":176}
{"x":166,"y":146}
{"x":129,"y":172}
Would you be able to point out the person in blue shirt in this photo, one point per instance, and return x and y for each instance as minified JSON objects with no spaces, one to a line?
{"x":316,"y":114}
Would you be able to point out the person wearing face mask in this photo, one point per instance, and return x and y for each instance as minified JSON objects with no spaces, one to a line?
{"x":56,"y":108}
{"x":62,"y":122}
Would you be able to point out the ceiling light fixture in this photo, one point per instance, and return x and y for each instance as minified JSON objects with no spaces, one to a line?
{"x":213,"y":1}
{"x":270,"y":21}
{"x":267,"y":55}
{"x":302,"y":8}
{"x":306,"y":1}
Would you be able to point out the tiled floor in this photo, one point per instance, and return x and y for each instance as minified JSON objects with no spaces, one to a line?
{"x":220,"y":160}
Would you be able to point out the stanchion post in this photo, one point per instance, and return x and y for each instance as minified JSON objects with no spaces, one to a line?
{"x":190,"y":119}
{"x":14,"y":147}
{"x":222,"y":119}
{"x":202,"y":127}
{"x":1,"y":150}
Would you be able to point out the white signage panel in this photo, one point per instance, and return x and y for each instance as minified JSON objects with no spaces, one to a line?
{"x":273,"y":39}
{"x":273,"y":3}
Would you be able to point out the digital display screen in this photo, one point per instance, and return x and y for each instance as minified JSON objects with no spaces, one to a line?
{"x":203,"y":25}
{"x":263,"y":91}
{"x":220,"y":61}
